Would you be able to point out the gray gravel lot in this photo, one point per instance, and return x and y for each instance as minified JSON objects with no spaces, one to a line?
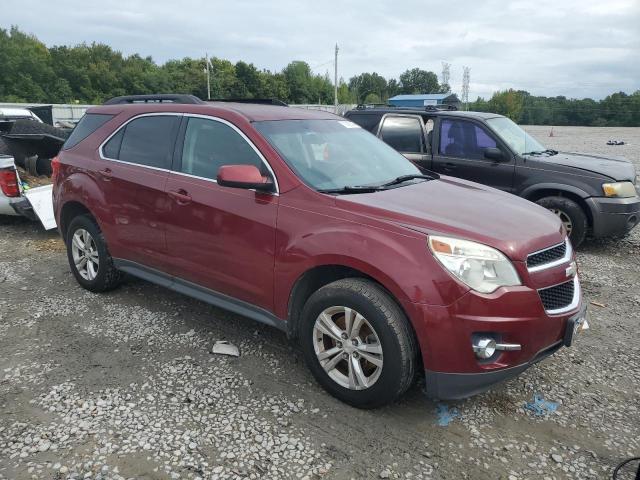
{"x":122,"y":385}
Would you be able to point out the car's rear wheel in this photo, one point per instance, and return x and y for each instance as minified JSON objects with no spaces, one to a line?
{"x":89,"y":257}
{"x":358,"y":343}
{"x":571,"y":214}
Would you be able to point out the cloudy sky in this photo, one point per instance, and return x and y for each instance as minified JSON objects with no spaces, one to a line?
{"x":577,"y":48}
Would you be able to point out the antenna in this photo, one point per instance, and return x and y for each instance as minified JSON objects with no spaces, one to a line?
{"x":466,"y":76}
{"x":446,"y":67}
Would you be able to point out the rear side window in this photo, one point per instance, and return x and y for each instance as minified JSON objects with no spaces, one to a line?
{"x":403,"y":133}
{"x":147,"y":141}
{"x":209,"y":144}
{"x":85,"y":127}
{"x":366,"y":121}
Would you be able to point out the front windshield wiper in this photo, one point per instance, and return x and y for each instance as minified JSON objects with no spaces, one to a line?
{"x":352,"y":189}
{"x":548,"y":151}
{"x":404,"y":178}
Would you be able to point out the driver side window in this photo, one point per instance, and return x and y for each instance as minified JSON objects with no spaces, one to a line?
{"x":460,"y":138}
{"x":209,"y":144}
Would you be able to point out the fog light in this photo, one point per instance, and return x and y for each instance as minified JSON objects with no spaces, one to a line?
{"x":484,"y":347}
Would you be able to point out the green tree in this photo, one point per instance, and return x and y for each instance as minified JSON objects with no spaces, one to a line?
{"x":419,"y":81}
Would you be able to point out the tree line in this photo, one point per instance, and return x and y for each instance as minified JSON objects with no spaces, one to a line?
{"x":616,"y":110}
{"x":92,"y":73}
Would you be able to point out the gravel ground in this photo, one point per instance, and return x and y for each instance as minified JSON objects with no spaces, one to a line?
{"x":122,"y":385}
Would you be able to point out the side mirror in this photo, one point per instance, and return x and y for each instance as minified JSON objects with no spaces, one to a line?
{"x":494,"y":154}
{"x":244,"y":176}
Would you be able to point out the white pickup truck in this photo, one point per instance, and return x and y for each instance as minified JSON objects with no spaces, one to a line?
{"x":18,"y":199}
{"x":29,"y":144}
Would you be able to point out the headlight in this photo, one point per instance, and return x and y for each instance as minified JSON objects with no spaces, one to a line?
{"x":619,"y":189}
{"x":482,"y":268}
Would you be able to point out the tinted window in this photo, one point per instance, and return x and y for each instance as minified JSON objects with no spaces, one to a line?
{"x":403,"y":133}
{"x":111,"y":149}
{"x":85,"y":127}
{"x":149,"y":141}
{"x":459,"y":138}
{"x":209,"y":144}
{"x":366,"y":121}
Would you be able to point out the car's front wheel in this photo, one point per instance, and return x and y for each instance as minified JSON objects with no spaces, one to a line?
{"x":571,"y":215}
{"x":89,"y":257}
{"x":358,"y":343}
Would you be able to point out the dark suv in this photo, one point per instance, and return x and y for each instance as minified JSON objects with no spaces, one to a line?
{"x":306,"y":222}
{"x":591,"y":194}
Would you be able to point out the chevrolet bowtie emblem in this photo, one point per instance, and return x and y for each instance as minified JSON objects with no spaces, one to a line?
{"x":572,"y":269}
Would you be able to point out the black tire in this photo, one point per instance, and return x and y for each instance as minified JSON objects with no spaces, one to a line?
{"x":4,"y":147}
{"x":573,"y":211}
{"x":391,"y":326}
{"x":108,"y":277}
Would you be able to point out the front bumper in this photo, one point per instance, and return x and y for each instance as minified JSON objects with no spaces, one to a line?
{"x":614,"y":216}
{"x":512,"y":315}
{"x":455,"y":386}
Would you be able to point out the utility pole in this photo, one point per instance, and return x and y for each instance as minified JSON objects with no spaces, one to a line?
{"x":206,"y":56}
{"x":335,"y":82}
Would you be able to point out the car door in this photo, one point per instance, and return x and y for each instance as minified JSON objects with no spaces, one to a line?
{"x":218,"y":237}
{"x":461,"y":152}
{"x":135,"y":165}
{"x":406,"y":134}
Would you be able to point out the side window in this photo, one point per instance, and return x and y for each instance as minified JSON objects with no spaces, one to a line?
{"x":459,"y":138}
{"x":367,"y":121}
{"x":209,"y":144}
{"x":146,"y":141}
{"x":402,"y":133}
{"x":111,"y":149}
{"x":85,"y":127}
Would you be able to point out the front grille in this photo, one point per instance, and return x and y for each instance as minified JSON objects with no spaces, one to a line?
{"x":547,"y":256}
{"x":560,"y":296}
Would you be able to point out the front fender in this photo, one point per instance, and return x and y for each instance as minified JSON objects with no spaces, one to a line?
{"x":396,"y":258}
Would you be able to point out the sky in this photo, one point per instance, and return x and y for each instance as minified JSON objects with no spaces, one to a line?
{"x":575,"y":48}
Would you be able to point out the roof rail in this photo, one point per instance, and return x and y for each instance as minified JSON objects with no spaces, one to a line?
{"x":157,"y":98}
{"x":364,"y":106}
{"x":442,"y":106}
{"x":261,"y":101}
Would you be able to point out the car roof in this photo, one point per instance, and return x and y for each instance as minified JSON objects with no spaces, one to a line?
{"x":252,"y":112}
{"x":421,"y":111}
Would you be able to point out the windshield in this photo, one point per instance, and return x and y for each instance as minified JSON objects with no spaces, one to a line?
{"x":334,"y":154}
{"x":519,"y":140}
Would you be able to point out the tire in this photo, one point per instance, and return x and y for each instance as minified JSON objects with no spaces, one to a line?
{"x":96,"y":278}
{"x":4,"y":147}
{"x":383,"y":327}
{"x":571,"y":214}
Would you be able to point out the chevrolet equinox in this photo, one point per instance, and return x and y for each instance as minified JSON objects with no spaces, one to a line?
{"x":306,"y":222}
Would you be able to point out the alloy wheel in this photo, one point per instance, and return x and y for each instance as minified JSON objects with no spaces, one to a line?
{"x":568,"y":224}
{"x":347,"y":347}
{"x":85,"y":254}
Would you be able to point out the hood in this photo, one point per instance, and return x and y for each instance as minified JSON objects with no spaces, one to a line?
{"x":463,"y":209}
{"x":615,"y":168}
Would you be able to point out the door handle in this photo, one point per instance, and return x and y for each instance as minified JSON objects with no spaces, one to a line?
{"x":450,"y":166}
{"x":180,"y":196}
{"x":106,"y":174}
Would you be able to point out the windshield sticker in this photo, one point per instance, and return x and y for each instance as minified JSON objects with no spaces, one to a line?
{"x":349,"y":124}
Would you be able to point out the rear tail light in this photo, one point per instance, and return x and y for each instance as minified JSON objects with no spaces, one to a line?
{"x":9,"y":182}
{"x":55,"y":169}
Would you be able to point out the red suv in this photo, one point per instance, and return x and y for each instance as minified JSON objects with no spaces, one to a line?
{"x":304,"y":221}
